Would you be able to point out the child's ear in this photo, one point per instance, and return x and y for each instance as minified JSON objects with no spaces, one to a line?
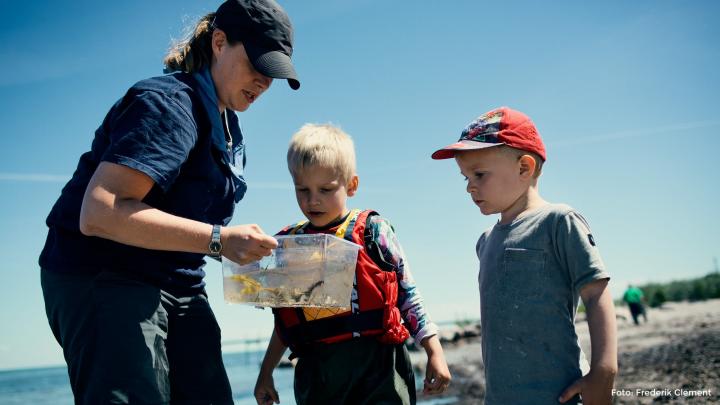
{"x":352,"y":185}
{"x":527,"y":166}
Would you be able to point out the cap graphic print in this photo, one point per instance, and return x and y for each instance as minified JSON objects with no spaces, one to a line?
{"x":501,"y":126}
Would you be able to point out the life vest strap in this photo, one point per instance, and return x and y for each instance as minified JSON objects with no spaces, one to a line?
{"x":308,"y":332}
{"x":346,"y":229}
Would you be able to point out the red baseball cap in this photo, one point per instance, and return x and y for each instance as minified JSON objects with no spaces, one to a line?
{"x":501,"y":126}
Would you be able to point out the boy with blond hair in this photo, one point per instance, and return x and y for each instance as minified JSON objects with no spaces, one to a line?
{"x":535,"y":263}
{"x":354,"y":356}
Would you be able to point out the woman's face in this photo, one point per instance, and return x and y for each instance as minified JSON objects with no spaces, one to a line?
{"x":237,"y":83}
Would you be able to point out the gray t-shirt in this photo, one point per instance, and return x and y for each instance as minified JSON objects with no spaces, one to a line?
{"x":531,"y":273}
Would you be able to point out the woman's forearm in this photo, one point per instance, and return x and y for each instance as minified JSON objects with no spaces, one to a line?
{"x":135,"y":223}
{"x":112,"y":209}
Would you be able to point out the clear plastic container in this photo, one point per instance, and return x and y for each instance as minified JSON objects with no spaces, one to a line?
{"x":304,"y":271}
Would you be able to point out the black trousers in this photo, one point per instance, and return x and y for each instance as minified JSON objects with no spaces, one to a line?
{"x":360,"y":371}
{"x":637,"y":309}
{"x":128,"y":342}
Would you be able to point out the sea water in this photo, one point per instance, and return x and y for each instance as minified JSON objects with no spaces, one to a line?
{"x":51,"y":386}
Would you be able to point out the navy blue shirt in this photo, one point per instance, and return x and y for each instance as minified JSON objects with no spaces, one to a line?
{"x":167,"y":128}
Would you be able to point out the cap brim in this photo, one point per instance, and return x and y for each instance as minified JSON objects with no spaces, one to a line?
{"x":450,"y":150}
{"x":273,"y":64}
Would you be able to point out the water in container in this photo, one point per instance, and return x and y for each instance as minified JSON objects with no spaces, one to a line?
{"x":303,"y":271}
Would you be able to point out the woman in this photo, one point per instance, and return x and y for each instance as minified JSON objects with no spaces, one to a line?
{"x":122,"y":267}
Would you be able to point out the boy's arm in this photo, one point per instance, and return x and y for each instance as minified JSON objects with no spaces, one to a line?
{"x":596,"y":386}
{"x":391,"y":257}
{"x":265,"y":392}
{"x":437,"y":374}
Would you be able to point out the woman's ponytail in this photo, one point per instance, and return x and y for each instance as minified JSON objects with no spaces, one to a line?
{"x":194,"y":52}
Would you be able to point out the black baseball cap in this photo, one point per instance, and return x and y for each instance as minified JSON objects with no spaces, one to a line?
{"x":266,"y":33}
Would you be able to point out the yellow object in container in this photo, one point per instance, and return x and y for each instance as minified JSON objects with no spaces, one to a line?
{"x":304,"y":271}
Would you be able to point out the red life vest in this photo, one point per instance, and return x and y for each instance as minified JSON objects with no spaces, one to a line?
{"x":373,"y":310}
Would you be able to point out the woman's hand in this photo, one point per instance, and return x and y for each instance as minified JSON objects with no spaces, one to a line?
{"x":244,"y":244}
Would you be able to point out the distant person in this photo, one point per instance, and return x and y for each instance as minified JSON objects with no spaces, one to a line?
{"x":634,"y":297}
{"x":535,"y":263}
{"x":355,"y":356}
{"x":122,"y":267}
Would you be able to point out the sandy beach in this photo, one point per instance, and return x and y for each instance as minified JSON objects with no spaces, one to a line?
{"x":673,"y":358}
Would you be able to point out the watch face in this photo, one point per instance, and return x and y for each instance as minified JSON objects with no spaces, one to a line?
{"x":215,"y":247}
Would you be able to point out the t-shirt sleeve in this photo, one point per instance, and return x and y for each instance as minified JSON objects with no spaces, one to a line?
{"x":480,"y":244}
{"x":152,"y":133}
{"x":578,"y":251}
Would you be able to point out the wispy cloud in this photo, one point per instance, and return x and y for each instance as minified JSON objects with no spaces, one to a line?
{"x":636,"y":133}
{"x":34,"y":177}
{"x":265,"y":185}
{"x":632,"y":133}
{"x":262,"y":185}
{"x":59,"y":178}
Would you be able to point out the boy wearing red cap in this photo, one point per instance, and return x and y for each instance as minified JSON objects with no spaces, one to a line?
{"x":535,"y":264}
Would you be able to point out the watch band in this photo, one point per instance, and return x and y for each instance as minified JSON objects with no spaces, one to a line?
{"x":215,"y":246}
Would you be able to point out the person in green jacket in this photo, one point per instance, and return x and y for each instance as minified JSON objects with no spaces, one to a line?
{"x":634,"y":298}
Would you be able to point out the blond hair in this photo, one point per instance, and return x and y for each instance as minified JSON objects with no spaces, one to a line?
{"x":323,"y":145}
{"x":193,"y":52}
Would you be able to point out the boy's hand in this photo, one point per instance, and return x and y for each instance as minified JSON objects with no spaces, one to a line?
{"x":594,"y":388}
{"x":265,"y":392}
{"x":437,"y":375}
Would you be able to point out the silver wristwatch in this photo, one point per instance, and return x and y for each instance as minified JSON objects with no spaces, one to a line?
{"x":215,"y":246}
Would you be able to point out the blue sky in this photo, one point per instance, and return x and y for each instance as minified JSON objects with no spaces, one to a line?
{"x":624,"y":94}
